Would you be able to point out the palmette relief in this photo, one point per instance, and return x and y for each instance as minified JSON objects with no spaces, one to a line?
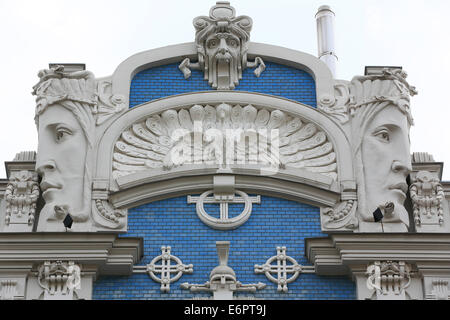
{"x":221,"y":136}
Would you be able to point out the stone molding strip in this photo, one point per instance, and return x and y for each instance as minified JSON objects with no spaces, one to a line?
{"x":122,"y":76}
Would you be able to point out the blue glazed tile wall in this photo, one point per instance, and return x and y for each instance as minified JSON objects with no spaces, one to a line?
{"x":274,"y":222}
{"x":278,"y":80}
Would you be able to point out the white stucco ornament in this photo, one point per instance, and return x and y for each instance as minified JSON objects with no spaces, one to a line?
{"x":21,"y":196}
{"x":222,"y":279}
{"x":427,"y":197}
{"x":388,"y":279}
{"x":378,"y":109}
{"x":222,"y":44}
{"x":162,"y":266}
{"x":283,"y":267}
{"x":59,"y":279}
{"x":224,"y":134}
{"x":69,"y":106}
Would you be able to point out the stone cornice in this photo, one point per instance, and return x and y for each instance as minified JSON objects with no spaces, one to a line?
{"x":110,"y":254}
{"x":339,"y":253}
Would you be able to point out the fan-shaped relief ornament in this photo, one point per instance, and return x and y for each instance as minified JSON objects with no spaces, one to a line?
{"x":223,"y":135}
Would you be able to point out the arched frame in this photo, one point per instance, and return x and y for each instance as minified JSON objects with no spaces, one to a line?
{"x":121,"y":79}
{"x":152,"y":184}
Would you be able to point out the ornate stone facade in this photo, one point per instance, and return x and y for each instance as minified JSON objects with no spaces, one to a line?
{"x":114,"y":183}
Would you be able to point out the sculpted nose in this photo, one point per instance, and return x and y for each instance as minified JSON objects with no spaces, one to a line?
{"x":400,"y":166}
{"x":223,"y":46}
{"x":45,"y":166}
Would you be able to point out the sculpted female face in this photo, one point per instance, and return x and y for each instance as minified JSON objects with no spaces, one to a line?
{"x":60,"y":162}
{"x":387,"y":162}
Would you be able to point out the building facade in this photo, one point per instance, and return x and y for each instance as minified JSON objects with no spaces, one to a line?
{"x":225,"y":169}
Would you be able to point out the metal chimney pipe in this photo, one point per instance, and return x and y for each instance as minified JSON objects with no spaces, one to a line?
{"x":325,"y":37}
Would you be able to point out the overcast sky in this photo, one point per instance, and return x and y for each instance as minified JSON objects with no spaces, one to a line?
{"x":409,"y":33}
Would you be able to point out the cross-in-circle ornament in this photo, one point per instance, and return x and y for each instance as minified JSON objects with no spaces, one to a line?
{"x":224,"y":222}
{"x":166,"y":269}
{"x":282,"y":268}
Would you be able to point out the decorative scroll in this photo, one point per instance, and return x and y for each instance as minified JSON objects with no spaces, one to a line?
{"x":108,"y":104}
{"x":114,"y":216}
{"x":222,"y":135}
{"x":59,"y":279}
{"x":389,"y":279}
{"x":341,"y":216}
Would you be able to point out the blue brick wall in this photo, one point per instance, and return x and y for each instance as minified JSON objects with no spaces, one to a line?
{"x":274,"y":222}
{"x":278,"y":80}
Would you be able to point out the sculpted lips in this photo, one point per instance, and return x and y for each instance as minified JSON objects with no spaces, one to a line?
{"x":402,"y":187}
{"x":49,"y":186}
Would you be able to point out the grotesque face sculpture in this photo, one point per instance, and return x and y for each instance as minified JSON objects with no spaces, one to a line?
{"x":223,"y":52}
{"x":386,"y":163}
{"x":221,"y":41}
{"x":61,"y":160}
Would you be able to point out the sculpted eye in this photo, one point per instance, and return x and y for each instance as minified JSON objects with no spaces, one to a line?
{"x":232,"y":43}
{"x":212,"y":43}
{"x":382,"y":135}
{"x":61,"y":133}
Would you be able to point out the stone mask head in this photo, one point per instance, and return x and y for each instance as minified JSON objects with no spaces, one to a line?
{"x":221,"y":41}
{"x":65,"y":122}
{"x":380,"y":123}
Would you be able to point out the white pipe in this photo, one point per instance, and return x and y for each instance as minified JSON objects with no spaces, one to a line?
{"x":325,"y":38}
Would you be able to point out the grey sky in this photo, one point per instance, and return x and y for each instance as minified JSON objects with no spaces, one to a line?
{"x":408,"y":33}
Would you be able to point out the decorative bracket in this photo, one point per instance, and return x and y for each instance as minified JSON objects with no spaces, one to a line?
{"x":21,"y":197}
{"x":440,"y":290}
{"x":59,"y":279}
{"x":104,"y":214}
{"x":427,"y":195}
{"x":388,"y":279}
